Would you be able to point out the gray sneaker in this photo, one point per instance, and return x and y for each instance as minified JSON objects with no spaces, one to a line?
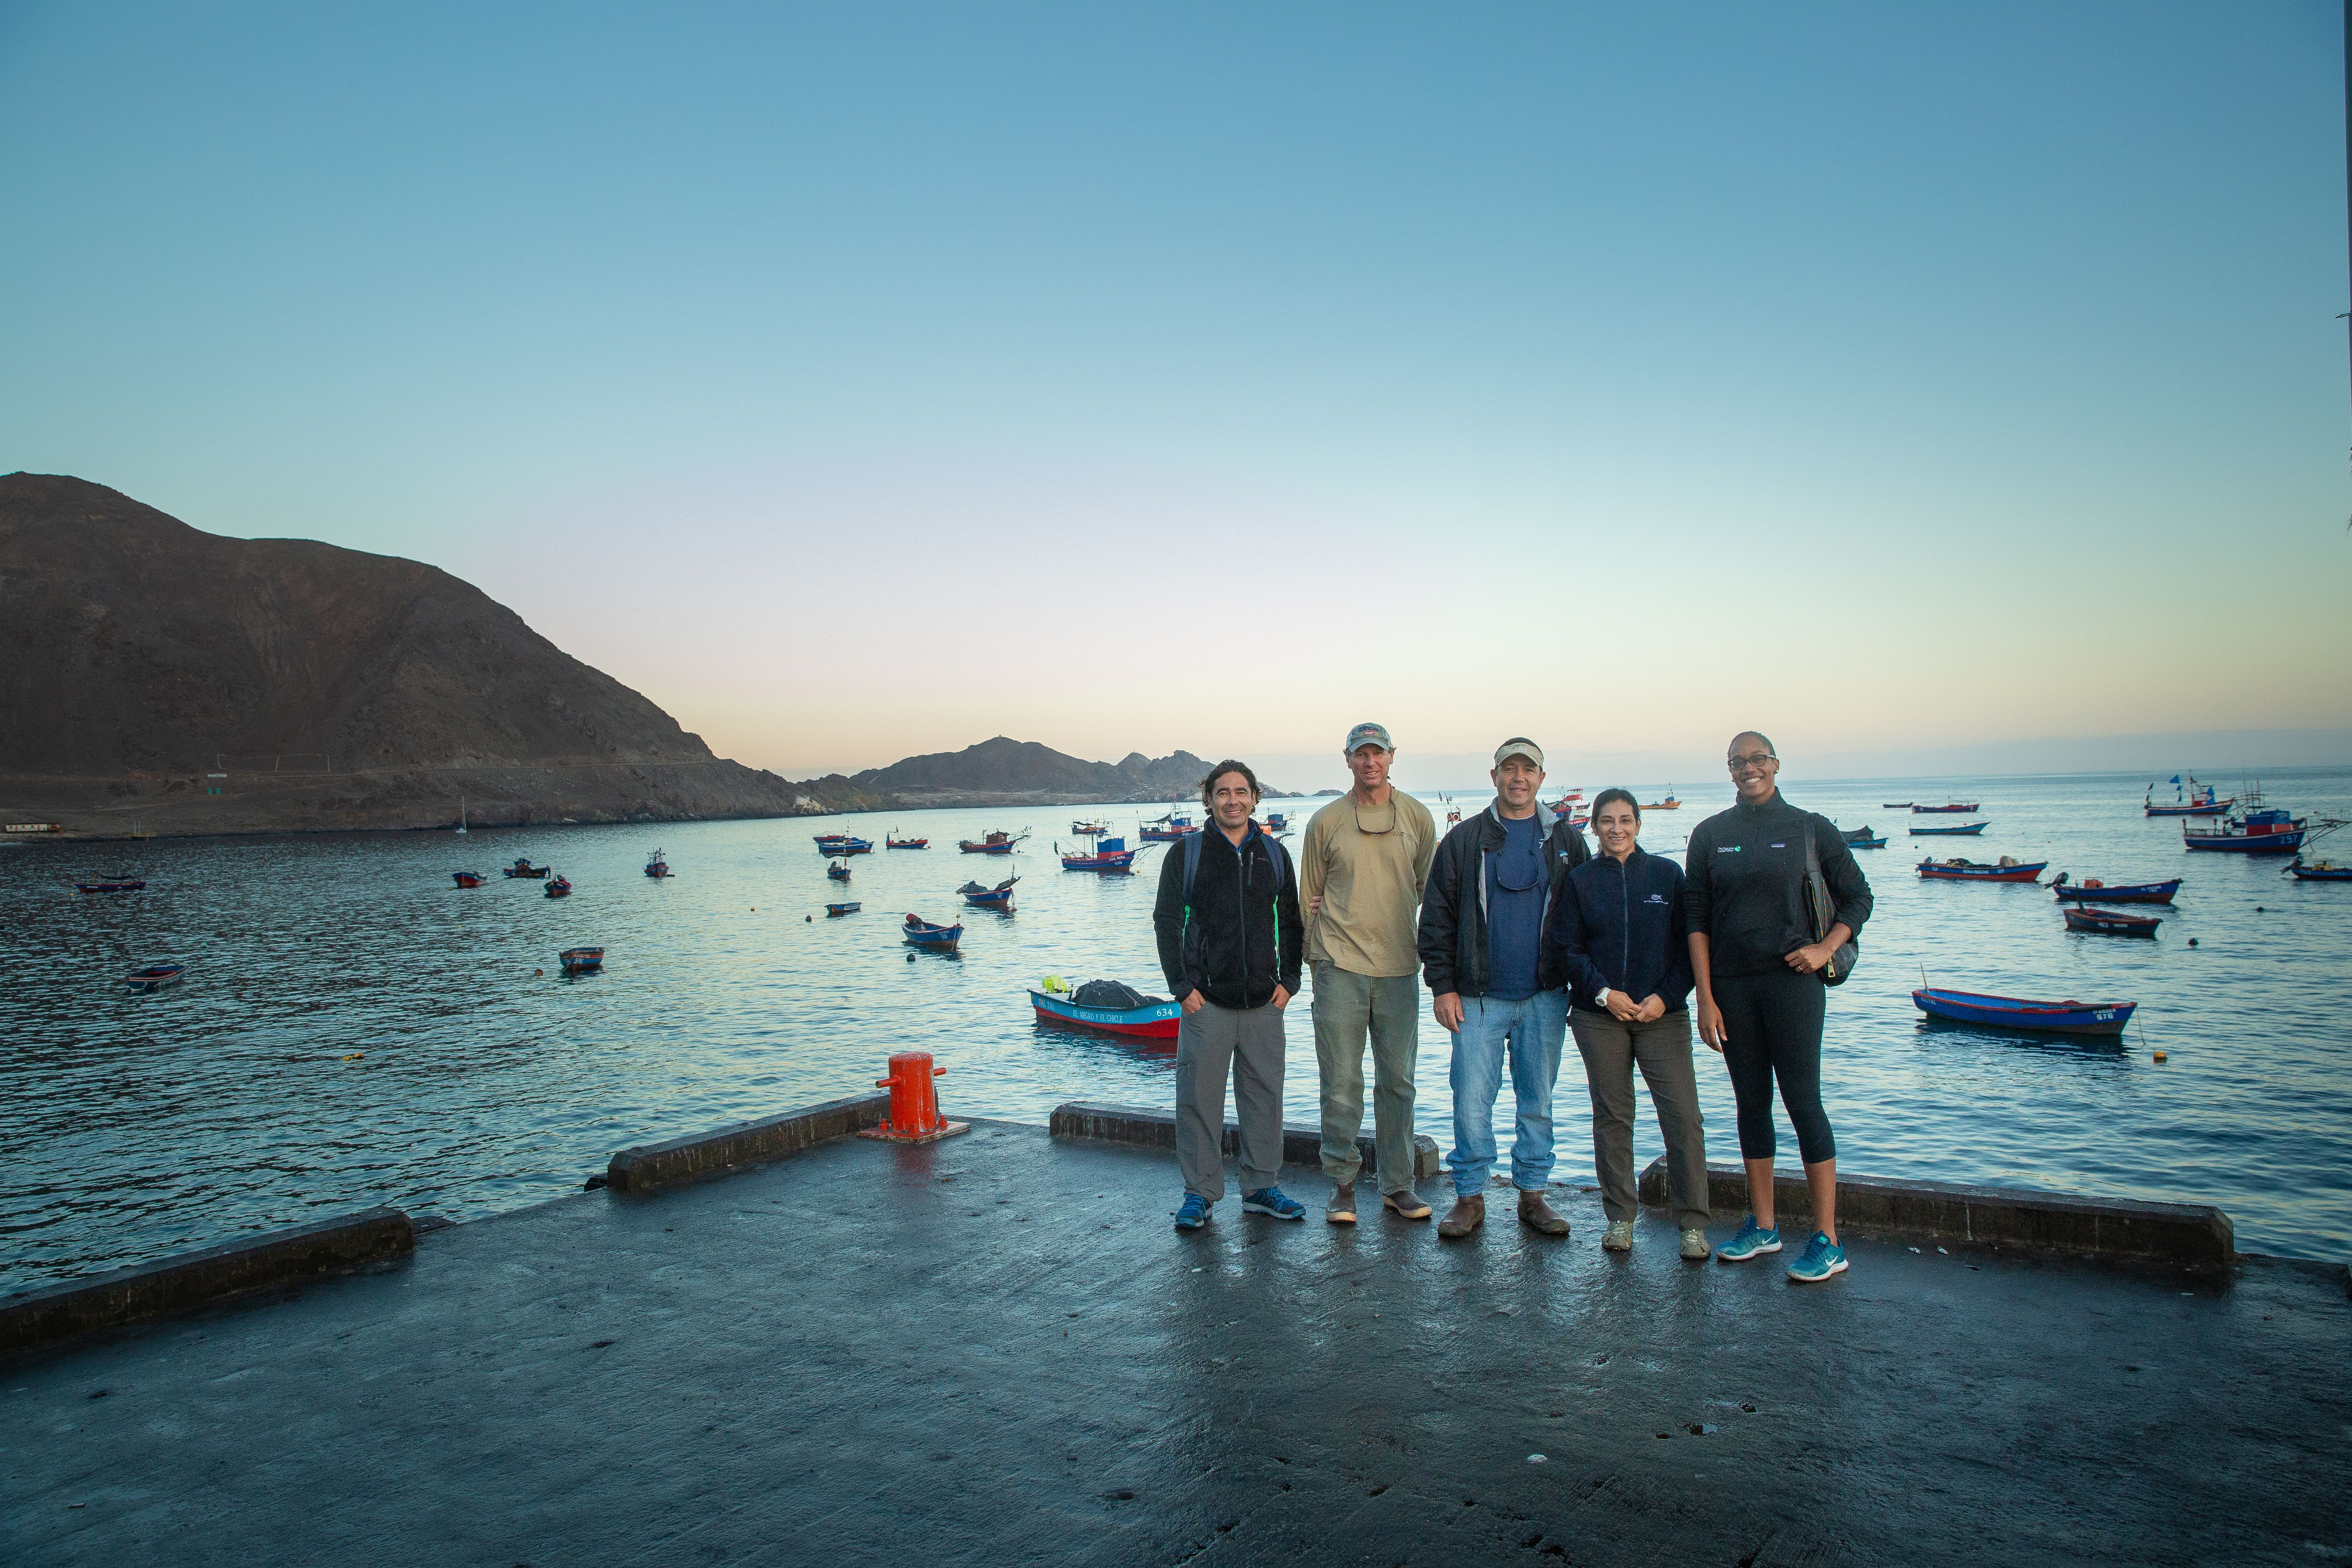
{"x":1619,"y":1237}
{"x":1695,"y":1246}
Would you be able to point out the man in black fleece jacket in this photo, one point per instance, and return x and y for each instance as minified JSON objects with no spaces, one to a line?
{"x":1230,"y":945}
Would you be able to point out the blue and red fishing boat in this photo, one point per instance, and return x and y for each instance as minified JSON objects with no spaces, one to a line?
{"x":854,"y":847}
{"x":1109,"y":856}
{"x":1969,"y":830}
{"x":656,"y":867}
{"x":1864,"y":840}
{"x":2263,"y":831}
{"x":890,"y":843}
{"x":581,"y":960}
{"x":2093,"y":891}
{"x":468,"y":879}
{"x":999,"y":897}
{"x":1917,"y":809}
{"x":2008,"y":871}
{"x":2020,"y":1013}
{"x":559,"y":888}
{"x":155,"y":977}
{"x":851,"y":908}
{"x":1167,"y":829}
{"x":2195,"y":800}
{"x":2319,"y":871}
{"x":838,"y":870}
{"x":2110,"y":923}
{"x":993,"y":844}
{"x":1109,"y":1007}
{"x":1087,"y":829}
{"x":930,"y":938}
{"x":523,"y":867}
{"x":119,"y":886}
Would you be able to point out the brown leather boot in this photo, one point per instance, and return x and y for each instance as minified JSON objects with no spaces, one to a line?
{"x":1466,"y":1215}
{"x":1537,"y":1215}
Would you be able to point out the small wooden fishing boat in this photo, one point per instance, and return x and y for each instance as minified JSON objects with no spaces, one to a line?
{"x":155,"y":977}
{"x":1969,"y":830}
{"x":1109,"y":856}
{"x":2112,"y":923}
{"x":1856,"y":835}
{"x":1452,"y":817}
{"x":1167,"y":829}
{"x":656,"y":867}
{"x":523,"y":867}
{"x":2093,"y":891}
{"x":2319,"y":871}
{"x":2008,"y":871}
{"x":559,"y":888}
{"x":999,"y":897}
{"x":994,"y":844}
{"x":468,"y":879}
{"x":890,"y":842}
{"x":838,"y":870}
{"x":2195,"y":800}
{"x":1893,"y":805}
{"x":1277,"y":822}
{"x":132,"y":886}
{"x":580,"y":959}
{"x":2260,"y":832}
{"x":851,"y":908}
{"x":1150,"y":1018}
{"x":1669,"y":804}
{"x":1917,"y":809}
{"x":1087,"y":829}
{"x":1865,"y":841}
{"x":2019,"y":1012}
{"x":922,"y":933}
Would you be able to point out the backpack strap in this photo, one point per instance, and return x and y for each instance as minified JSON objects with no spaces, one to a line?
{"x":1192,"y":863}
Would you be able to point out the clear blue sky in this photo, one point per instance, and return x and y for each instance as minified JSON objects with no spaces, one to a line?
{"x":1620,"y":374}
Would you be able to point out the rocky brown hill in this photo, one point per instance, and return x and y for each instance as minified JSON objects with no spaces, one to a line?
{"x":1005,"y":772}
{"x":334,"y":688}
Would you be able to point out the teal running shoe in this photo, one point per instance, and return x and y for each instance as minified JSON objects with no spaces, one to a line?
{"x":1271,"y":1201}
{"x":1752,"y":1239}
{"x":1194,"y":1212}
{"x":1822,"y":1259}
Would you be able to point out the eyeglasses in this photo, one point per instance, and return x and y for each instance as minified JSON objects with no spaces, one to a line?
{"x":1753,"y":760}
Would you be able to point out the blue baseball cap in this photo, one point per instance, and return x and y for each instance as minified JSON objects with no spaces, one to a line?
{"x":1364,"y":735}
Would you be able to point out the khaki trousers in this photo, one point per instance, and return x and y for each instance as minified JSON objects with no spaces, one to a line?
{"x":1663,"y":1048}
{"x":1348,"y":1008}
{"x":1210,"y":1044}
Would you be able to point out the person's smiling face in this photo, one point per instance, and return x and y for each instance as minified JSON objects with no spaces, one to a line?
{"x":1618,"y":825}
{"x":1517,"y":781}
{"x":1232,"y":800}
{"x":1370,"y":763}
{"x":1753,"y":767}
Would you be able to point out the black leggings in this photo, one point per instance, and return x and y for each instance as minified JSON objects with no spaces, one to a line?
{"x":1773,"y":1028}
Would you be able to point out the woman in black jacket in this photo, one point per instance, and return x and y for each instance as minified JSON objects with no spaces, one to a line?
{"x":1619,"y":935}
{"x":1758,"y":963}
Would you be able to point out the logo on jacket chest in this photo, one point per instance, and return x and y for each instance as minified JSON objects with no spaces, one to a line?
{"x":1656,"y":899}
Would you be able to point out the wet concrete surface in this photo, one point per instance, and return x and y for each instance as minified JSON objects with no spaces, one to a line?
{"x":994,"y":1350}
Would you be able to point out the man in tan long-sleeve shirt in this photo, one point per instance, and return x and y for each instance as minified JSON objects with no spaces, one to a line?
{"x":1360,"y":873}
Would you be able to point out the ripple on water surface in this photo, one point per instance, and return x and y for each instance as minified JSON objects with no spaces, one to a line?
{"x":141,"y":1125}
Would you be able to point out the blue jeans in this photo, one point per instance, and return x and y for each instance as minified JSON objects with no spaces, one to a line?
{"x":1537,"y":1030}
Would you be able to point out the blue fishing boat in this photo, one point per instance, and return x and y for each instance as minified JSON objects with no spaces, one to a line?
{"x":2019,"y":1012}
{"x":2266,"y":831}
{"x":2196,"y":800}
{"x":838,"y":870}
{"x":1969,"y":831}
{"x":1106,"y":1006}
{"x":930,"y":938}
{"x":991,"y":844}
{"x":1111,"y":857}
{"x":559,"y":888}
{"x":851,"y":908}
{"x":1917,"y":809}
{"x":116,"y":887}
{"x":523,"y":867}
{"x":1865,"y":841}
{"x":2319,"y":871}
{"x":2093,"y":891}
{"x":656,"y":867}
{"x":853,"y":847}
{"x":1166,"y":829}
{"x":1275,"y":822}
{"x":824,"y":838}
{"x":581,"y":960}
{"x":999,"y":897}
{"x":1088,"y":829}
{"x":155,"y":977}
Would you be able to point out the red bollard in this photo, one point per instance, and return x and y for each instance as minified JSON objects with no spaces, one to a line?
{"x":914,"y":1105}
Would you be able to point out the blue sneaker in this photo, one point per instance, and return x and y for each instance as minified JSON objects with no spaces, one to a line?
{"x":1193,"y":1212}
{"x":1270,"y":1201}
{"x":1822,"y":1259}
{"x":1752,"y":1239}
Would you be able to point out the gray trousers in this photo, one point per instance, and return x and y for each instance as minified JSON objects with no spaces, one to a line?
{"x":1348,"y":1008}
{"x":1209,"y":1044}
{"x":1663,"y":1050}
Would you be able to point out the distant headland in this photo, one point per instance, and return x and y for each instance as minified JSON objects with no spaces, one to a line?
{"x":165,"y":681}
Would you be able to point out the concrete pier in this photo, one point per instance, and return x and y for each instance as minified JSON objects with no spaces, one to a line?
{"x":993,"y":1349}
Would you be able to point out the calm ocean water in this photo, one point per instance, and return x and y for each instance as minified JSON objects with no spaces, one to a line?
{"x":137,"y":1126}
